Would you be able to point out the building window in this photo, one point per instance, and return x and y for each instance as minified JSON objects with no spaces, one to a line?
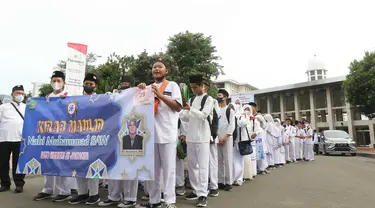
{"x":313,"y":78}
{"x":324,"y":72}
{"x":220,"y":85}
{"x":320,"y":77}
{"x":312,"y":73}
{"x":319,"y":72}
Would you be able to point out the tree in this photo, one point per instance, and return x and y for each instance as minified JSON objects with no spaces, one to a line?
{"x":111,"y":71}
{"x":45,"y":89}
{"x":193,"y":53}
{"x":142,"y":67}
{"x":359,"y":86}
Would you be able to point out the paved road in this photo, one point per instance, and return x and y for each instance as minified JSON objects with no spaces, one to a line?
{"x":328,"y":182}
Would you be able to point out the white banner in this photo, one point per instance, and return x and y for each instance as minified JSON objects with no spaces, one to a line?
{"x":75,"y":68}
{"x":245,"y":98}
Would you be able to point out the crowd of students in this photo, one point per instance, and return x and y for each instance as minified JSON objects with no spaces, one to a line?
{"x":205,"y":144}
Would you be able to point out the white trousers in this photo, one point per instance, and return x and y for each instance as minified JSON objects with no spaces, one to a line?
{"x":253,"y":157}
{"x":63,"y":184}
{"x":302,"y":144}
{"x":117,"y":188}
{"x":180,"y":172}
{"x":213,"y":167}
{"x":88,"y":185}
{"x":292,"y":150}
{"x":225,"y":162}
{"x":165,"y":165}
{"x":239,"y":166}
{"x":198,"y":165}
{"x":308,"y":151}
{"x":262,"y":164}
{"x":298,"y":148}
{"x":276,"y":156}
{"x":248,"y":167}
{"x":270,"y":158}
{"x":286,"y":154}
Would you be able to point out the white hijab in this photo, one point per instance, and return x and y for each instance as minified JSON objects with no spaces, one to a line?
{"x":237,"y":107}
{"x":278,"y":125}
{"x":271,"y":128}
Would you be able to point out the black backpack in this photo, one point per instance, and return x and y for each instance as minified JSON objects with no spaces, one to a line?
{"x":214,"y":124}
{"x":234,"y":134}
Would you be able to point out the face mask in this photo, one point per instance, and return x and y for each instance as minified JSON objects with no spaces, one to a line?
{"x":247,"y":112}
{"x":220,"y":99}
{"x":124,"y":87}
{"x":307,"y":125}
{"x":19,"y":98}
{"x":88,"y":89}
{"x":56,"y":86}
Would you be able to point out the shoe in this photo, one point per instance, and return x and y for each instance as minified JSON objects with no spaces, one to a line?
{"x":180,"y":191}
{"x":221,"y":186}
{"x":93,"y":200}
{"x":169,"y":206}
{"x":267,"y":171}
{"x":18,"y":189}
{"x":61,"y":198}
{"x":79,"y":199}
{"x":107,"y":203}
{"x":42,"y":196}
{"x":162,"y":198}
{"x":202,"y":202}
{"x":73,"y":192}
{"x":145,"y":197}
{"x":4,"y":189}
{"x":147,"y":204}
{"x":228,"y":188}
{"x":127,"y":204}
{"x":191,"y":196}
{"x":213,"y":193}
{"x":236,"y":183}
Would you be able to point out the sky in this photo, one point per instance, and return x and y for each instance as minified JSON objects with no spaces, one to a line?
{"x":264,"y":43}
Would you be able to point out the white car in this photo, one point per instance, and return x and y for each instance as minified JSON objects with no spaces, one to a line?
{"x":336,"y":142}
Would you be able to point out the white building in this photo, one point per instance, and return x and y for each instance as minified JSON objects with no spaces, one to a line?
{"x":234,"y":87}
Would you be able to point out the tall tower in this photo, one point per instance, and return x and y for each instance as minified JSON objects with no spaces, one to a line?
{"x":316,"y":69}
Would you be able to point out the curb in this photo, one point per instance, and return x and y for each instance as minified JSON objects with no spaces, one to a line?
{"x":366,"y":155}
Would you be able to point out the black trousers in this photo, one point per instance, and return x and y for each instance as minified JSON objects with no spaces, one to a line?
{"x":6,"y":149}
{"x":316,"y":149}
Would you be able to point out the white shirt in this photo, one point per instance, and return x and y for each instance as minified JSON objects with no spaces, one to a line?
{"x":11,"y":123}
{"x":198,"y":127}
{"x":57,"y":95}
{"x":166,"y":120}
{"x":182,"y":131}
{"x":300,"y":132}
{"x":309,"y":132}
{"x":316,"y":139}
{"x":225,"y":127}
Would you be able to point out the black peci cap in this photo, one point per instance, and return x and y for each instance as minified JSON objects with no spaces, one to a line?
{"x":18,"y":87}
{"x":224,"y":92}
{"x":58,"y":74}
{"x":91,"y":77}
{"x":253,"y":104}
{"x":197,"y":78}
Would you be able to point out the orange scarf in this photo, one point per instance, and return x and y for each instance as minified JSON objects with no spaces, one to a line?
{"x":157,"y":101}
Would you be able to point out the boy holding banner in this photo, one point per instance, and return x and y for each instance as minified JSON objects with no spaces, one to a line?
{"x":167,"y":107}
{"x":63,"y":184}
{"x":88,"y":189}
